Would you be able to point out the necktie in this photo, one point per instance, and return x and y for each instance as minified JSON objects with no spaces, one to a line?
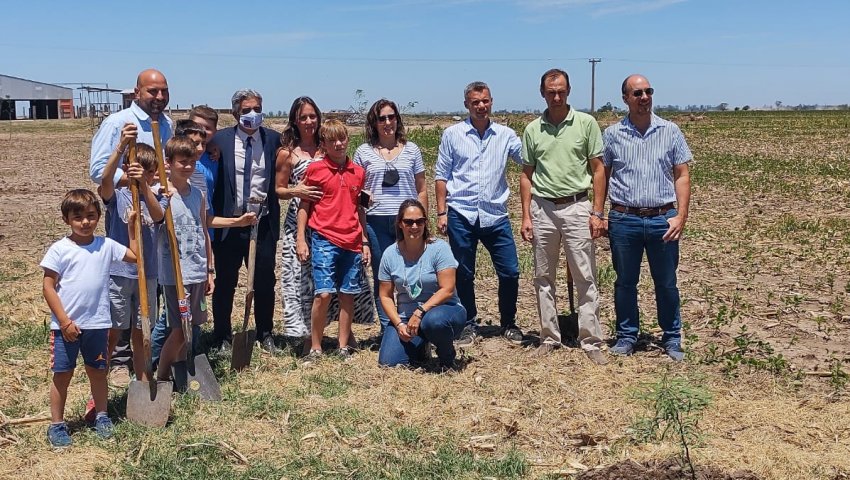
{"x":246,"y":174}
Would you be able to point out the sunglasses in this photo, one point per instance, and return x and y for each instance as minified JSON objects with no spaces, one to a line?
{"x":639,"y":93}
{"x":383,"y":118}
{"x":413,"y":221}
{"x":246,"y":111}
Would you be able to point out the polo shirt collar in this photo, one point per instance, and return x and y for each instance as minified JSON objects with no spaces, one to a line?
{"x":348,"y":166}
{"x":569,"y":118}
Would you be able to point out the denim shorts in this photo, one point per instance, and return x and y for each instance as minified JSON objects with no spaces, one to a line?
{"x":92,"y":343}
{"x":334,"y":269}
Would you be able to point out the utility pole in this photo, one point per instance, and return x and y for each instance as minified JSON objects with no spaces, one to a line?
{"x":593,"y":62}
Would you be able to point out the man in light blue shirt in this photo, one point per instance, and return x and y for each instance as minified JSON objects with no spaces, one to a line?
{"x":646,"y":161}
{"x":472,"y":194}
{"x":151,"y":99}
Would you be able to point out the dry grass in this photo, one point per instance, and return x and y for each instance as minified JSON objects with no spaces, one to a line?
{"x":767,"y":248}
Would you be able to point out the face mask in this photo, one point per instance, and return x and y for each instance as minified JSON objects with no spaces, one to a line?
{"x":252,"y":120}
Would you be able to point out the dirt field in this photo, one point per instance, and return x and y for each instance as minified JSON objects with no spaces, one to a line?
{"x":766,"y":304}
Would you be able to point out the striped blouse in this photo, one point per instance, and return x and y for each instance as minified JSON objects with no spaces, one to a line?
{"x":642,"y":165}
{"x":386,"y":200}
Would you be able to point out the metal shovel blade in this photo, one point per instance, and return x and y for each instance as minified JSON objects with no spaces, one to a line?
{"x":197,"y":377}
{"x":243,"y":348}
{"x":145,"y":410}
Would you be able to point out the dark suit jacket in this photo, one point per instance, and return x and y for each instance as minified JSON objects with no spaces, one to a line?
{"x":224,"y":196}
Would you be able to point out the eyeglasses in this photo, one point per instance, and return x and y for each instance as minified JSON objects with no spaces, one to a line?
{"x":409,"y":222}
{"x":639,"y":93}
{"x":246,"y":111}
{"x":384,"y":118}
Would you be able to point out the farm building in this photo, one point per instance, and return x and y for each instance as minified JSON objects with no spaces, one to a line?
{"x":46,"y":101}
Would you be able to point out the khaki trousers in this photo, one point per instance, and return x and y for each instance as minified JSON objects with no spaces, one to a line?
{"x":565,"y":226}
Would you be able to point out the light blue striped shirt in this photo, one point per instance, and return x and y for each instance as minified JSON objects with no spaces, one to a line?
{"x":642,"y":165}
{"x":408,"y":163}
{"x":474,"y":170}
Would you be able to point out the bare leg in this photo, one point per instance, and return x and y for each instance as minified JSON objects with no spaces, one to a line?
{"x":58,"y":395}
{"x":346,"y":315}
{"x":173,"y":350}
{"x":318,"y":319}
{"x":114,"y":336}
{"x":99,"y":388}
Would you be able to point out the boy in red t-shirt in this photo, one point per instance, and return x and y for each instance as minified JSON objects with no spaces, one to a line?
{"x":338,"y":235}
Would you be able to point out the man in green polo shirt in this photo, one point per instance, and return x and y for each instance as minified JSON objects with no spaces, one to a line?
{"x":562,"y":157}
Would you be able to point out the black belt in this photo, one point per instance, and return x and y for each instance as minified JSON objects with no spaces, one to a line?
{"x":643,"y":211}
{"x":568,"y":199}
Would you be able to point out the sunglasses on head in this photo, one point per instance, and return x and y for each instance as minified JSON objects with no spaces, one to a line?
{"x":639,"y":93}
{"x":384,"y":118}
{"x":414,"y":221}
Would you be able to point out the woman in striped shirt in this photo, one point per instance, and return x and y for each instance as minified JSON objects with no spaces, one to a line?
{"x":395,"y":172}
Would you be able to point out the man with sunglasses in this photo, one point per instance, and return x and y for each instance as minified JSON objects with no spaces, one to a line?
{"x":245,"y":178}
{"x":646,"y":162}
{"x":563,"y":156}
{"x":472,"y":194}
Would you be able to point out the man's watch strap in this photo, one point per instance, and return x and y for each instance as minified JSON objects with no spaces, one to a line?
{"x":440,"y":214}
{"x":599,"y":215}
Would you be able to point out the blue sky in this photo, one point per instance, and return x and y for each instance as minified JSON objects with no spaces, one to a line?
{"x":693,"y":51}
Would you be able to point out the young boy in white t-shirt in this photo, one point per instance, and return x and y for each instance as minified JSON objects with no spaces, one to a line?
{"x":76,"y":280}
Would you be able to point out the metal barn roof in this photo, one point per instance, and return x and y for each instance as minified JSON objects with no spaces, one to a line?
{"x":15,"y":88}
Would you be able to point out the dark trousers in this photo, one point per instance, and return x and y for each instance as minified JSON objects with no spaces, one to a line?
{"x":498,"y":239}
{"x":230,"y":254}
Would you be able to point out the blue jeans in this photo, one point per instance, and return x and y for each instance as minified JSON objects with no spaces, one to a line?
{"x":160,"y":334}
{"x":499,"y":241}
{"x":440,"y":326}
{"x":631,"y":235}
{"x":382,"y":234}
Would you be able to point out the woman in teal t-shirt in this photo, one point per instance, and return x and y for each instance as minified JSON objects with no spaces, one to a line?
{"x":420,"y":271}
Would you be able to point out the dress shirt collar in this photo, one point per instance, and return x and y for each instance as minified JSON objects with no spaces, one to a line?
{"x":654,"y":122}
{"x":139,"y":113}
{"x":243,"y":135}
{"x":471,"y":127}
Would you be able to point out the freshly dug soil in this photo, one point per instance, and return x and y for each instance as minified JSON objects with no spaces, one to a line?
{"x":669,"y":469}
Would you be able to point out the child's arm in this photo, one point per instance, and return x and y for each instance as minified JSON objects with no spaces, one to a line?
{"x":70,"y":330}
{"x":245,"y":220}
{"x":107,"y":183}
{"x":208,"y":245}
{"x":367,"y":249}
{"x":303,"y":214}
{"x":132,"y":253}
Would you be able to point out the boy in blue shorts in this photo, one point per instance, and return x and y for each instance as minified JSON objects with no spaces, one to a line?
{"x":75,"y":286}
{"x":338,"y":237}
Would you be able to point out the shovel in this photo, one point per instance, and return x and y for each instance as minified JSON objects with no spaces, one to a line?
{"x":195,"y":374}
{"x":243,"y":342}
{"x":148,"y":402}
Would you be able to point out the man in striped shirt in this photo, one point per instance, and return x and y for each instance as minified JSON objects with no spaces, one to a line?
{"x":563,"y":156}
{"x":472,"y":194}
{"x":646,"y":162}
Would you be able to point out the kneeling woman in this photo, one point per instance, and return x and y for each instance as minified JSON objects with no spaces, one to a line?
{"x":420,"y":270}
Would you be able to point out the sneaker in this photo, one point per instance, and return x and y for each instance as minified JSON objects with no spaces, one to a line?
{"x":57,"y":435}
{"x":674,"y":351}
{"x":545,"y":349}
{"x":312,"y":357}
{"x":345,"y":353}
{"x":623,"y":347}
{"x":103,"y":426}
{"x":596,"y":356}
{"x":513,"y":335}
{"x":467,"y":337}
{"x":90,"y":414}
{"x":268,"y":345}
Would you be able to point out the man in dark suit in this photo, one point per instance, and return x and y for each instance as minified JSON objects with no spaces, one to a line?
{"x":246,"y":147}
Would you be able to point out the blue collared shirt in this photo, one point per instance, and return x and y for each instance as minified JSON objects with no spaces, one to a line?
{"x":642,"y":165}
{"x":109,"y":135}
{"x":473,"y":168}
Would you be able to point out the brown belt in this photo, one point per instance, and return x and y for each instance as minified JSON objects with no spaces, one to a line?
{"x":568,"y":199}
{"x":643,"y":212}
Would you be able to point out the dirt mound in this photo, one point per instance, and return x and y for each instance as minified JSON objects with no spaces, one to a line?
{"x":669,"y":469}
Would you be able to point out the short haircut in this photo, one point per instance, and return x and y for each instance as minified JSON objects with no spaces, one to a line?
{"x":206,"y":112}
{"x":145,"y":155}
{"x":474,"y":87}
{"x":552,"y":73}
{"x":180,"y":146}
{"x":186,"y":127}
{"x":291,"y":136}
{"x":626,"y":81}
{"x":333,"y":130}
{"x":241,"y":95}
{"x":79,"y":200}
{"x":372,"y":135}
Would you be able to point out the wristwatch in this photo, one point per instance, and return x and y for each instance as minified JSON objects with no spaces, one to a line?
{"x":422,"y":310}
{"x":440,"y":214}
{"x":599,"y":215}
{"x":211,"y":270}
{"x":367,"y":244}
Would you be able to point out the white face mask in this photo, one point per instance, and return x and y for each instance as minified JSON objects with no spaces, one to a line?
{"x":252,"y":120}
